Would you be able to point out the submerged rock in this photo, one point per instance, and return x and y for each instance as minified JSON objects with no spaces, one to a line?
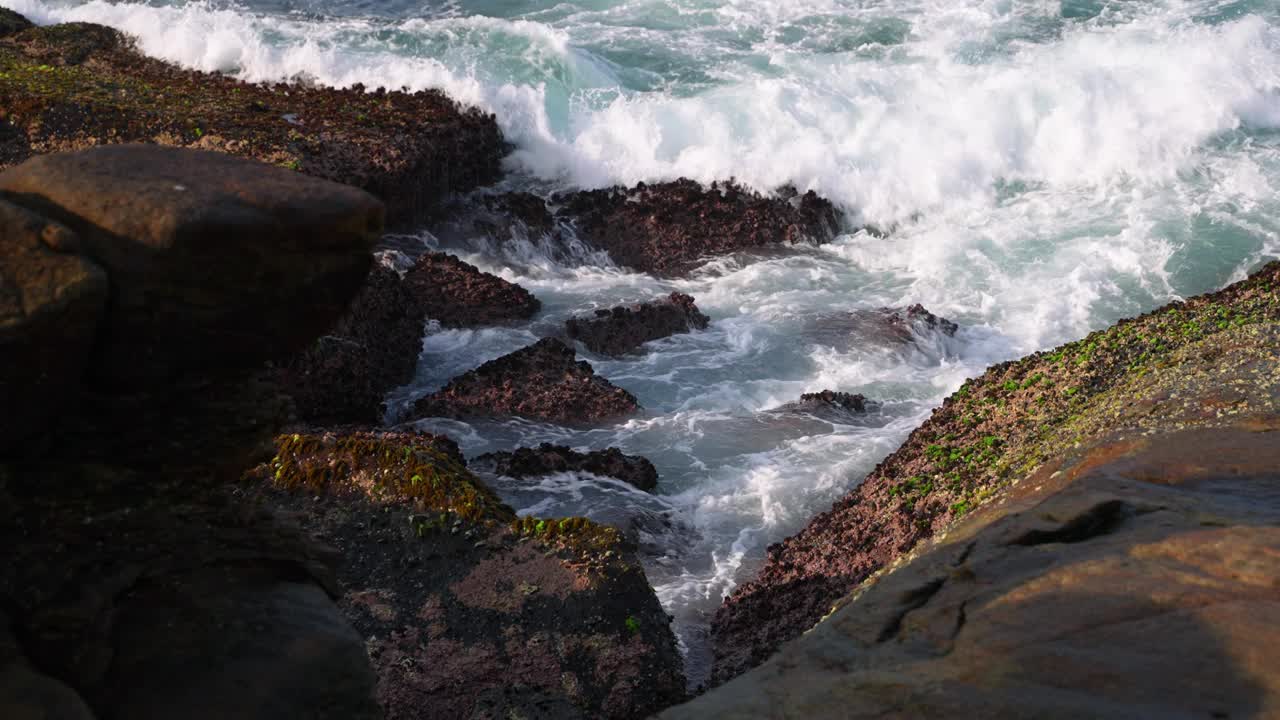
{"x":624,"y":329}
{"x":345,"y":375}
{"x":67,"y":87}
{"x":829,"y":404}
{"x":1172,"y":369}
{"x":669,"y":228}
{"x":543,"y":381}
{"x":547,"y":459}
{"x":880,"y":327}
{"x":469,"y":611}
{"x":459,"y":294}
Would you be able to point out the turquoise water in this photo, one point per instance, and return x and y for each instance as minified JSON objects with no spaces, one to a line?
{"x":1049,"y":167}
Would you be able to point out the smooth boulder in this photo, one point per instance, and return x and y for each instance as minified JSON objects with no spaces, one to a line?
{"x":216,"y":263}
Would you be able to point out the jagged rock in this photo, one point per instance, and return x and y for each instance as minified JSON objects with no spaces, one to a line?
{"x":458,"y":294}
{"x":669,"y":228}
{"x":11,"y":22}
{"x":344,"y":376}
{"x":547,"y":459}
{"x":829,"y":404}
{"x":543,"y":381}
{"x":216,"y":263}
{"x":1175,"y":367}
{"x":67,"y":87}
{"x":51,"y":302}
{"x":469,"y":611}
{"x":881,"y":327}
{"x":624,"y":329}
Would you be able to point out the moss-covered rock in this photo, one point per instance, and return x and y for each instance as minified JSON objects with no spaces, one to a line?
{"x":997,"y":428}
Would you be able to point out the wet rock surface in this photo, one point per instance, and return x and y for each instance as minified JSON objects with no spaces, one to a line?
{"x":829,"y":404}
{"x":247,"y":260}
{"x":668,"y":228}
{"x":544,"y":381}
{"x":71,"y":86}
{"x":881,"y":327}
{"x":344,"y":376}
{"x":469,"y":611}
{"x":459,"y":294}
{"x":623,"y":329}
{"x":1183,"y":365}
{"x":547,"y":459}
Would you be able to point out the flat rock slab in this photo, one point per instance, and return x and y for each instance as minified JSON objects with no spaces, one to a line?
{"x":543,"y":381}
{"x":547,"y":459}
{"x":623,"y":329}
{"x":458,"y":294}
{"x":216,"y":263}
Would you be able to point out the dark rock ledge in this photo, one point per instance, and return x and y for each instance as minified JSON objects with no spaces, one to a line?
{"x":624,"y":329}
{"x":1058,"y":494}
{"x":547,"y":459}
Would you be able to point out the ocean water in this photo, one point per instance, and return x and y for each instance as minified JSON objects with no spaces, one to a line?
{"x":1048,"y":167}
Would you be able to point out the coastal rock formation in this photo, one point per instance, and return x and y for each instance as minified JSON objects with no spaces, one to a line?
{"x":669,"y":228}
{"x":547,"y":459}
{"x":543,"y":381}
{"x":625,"y":328}
{"x":137,"y":580}
{"x":829,"y":404}
{"x":1207,"y":363}
{"x":67,"y":87}
{"x":344,"y":376}
{"x":469,"y":610}
{"x":250,"y":260}
{"x":880,"y":327}
{"x":458,"y":294}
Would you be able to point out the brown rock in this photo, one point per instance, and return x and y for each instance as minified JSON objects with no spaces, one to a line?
{"x":883,"y":327}
{"x":51,"y":302}
{"x":543,"y":381}
{"x":216,"y":263}
{"x":547,"y":459}
{"x":669,"y":228}
{"x":458,"y":294}
{"x":624,"y":329}
{"x":829,"y":404}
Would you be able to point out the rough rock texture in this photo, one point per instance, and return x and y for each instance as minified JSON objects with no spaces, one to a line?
{"x":881,"y":327}
{"x":1137,"y":576}
{"x":470,"y":612}
{"x":344,"y":376}
{"x":51,"y":301}
{"x":624,"y":329}
{"x":668,"y":228}
{"x":134,"y":574}
{"x":829,"y":404}
{"x":1211,"y":353}
{"x":547,"y":459}
{"x":543,"y":381}
{"x":458,"y":294}
{"x":66,"y":87}
{"x":215,"y":261}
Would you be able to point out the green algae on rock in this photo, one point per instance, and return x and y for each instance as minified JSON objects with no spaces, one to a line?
{"x":994,"y":430}
{"x":71,"y":86}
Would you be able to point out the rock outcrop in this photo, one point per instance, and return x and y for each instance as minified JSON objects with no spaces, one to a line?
{"x":136,"y":580}
{"x":469,"y":610}
{"x":624,"y":329}
{"x":669,"y":228}
{"x":880,"y":327}
{"x":544,"y":381}
{"x":829,"y":404}
{"x":1108,"y":413}
{"x":547,"y":459}
{"x":458,"y":294}
{"x":67,"y":87}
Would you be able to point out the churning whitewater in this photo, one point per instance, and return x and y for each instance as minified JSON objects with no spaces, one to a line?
{"x":1045,"y":168}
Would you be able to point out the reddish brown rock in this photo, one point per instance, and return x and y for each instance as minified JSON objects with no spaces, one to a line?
{"x":469,"y":612}
{"x":669,"y":228}
{"x":458,"y":294}
{"x":547,"y":459}
{"x":345,"y":375}
{"x":68,"y":87}
{"x":543,"y":381}
{"x":624,"y":329}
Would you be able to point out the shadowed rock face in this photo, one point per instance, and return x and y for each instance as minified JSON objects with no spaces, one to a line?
{"x":624,"y":329}
{"x":458,"y":294}
{"x":251,"y":261}
{"x":547,"y":459}
{"x":1183,"y":365}
{"x":469,"y":611}
{"x":543,"y":381}
{"x":11,"y":22}
{"x":67,"y":87}
{"x":669,"y":228}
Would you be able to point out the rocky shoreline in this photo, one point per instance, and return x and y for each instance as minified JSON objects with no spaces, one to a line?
{"x":208,"y":518}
